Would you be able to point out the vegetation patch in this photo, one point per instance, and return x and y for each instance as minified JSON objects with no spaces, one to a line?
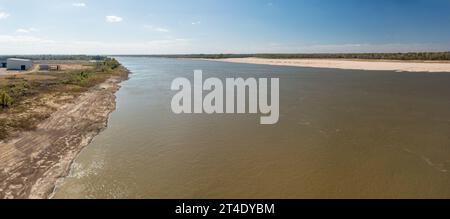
{"x":27,"y":99}
{"x":5,"y":99}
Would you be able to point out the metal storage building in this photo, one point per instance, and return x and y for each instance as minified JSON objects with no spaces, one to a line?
{"x":18,"y":64}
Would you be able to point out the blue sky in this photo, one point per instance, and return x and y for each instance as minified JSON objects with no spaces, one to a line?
{"x":222,"y":26}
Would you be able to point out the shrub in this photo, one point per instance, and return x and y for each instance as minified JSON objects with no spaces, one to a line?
{"x":5,"y":100}
{"x":107,"y":65}
{"x":78,"y":78}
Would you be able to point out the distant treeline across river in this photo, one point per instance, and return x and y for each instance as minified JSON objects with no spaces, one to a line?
{"x":423,"y":56}
{"x":56,"y":57}
{"x":429,"y":56}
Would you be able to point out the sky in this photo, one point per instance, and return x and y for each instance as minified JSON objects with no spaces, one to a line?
{"x":222,"y":26}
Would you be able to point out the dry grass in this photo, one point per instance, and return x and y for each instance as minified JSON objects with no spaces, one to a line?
{"x":38,"y":94}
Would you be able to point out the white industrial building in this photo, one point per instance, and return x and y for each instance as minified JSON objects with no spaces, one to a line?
{"x":18,"y":64}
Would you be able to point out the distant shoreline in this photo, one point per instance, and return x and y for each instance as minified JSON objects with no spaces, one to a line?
{"x":409,"y":56}
{"x":349,"y":64}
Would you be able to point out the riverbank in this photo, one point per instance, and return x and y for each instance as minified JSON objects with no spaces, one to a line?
{"x":32,"y":161}
{"x":353,"y":64}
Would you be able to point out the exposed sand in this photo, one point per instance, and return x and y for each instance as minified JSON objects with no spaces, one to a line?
{"x":379,"y":65}
{"x":32,"y":162}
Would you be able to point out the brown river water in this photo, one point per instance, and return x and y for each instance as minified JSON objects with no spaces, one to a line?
{"x":341,"y":134}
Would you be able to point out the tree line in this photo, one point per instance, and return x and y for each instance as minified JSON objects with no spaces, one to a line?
{"x":56,"y":57}
{"x":425,"y":56}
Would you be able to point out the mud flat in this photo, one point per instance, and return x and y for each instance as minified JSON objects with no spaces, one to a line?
{"x":377,"y":65}
{"x":31,"y":162}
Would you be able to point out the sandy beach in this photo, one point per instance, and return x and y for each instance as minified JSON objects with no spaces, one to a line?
{"x":376,"y":65}
{"x":33,"y":161}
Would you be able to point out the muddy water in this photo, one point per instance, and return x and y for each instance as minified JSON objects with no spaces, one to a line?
{"x":342,"y":134}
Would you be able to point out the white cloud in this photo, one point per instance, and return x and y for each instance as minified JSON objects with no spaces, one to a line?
{"x":29,"y":44}
{"x":157,"y":29}
{"x":35,"y":45}
{"x":79,"y":4}
{"x":196,"y":23}
{"x":20,"y":39}
{"x":27,"y":30}
{"x":113,"y":19}
{"x":20,"y":30}
{"x":160,"y":29}
{"x":3,"y":15}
